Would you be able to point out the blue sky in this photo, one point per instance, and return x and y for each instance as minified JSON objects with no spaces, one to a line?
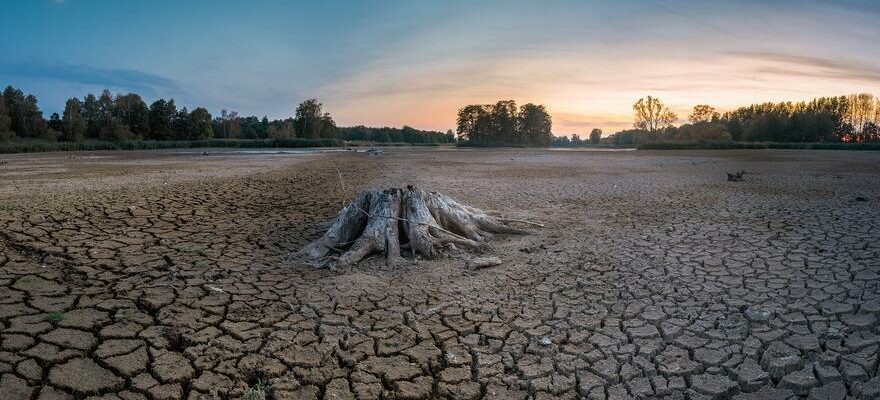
{"x":417,"y":62}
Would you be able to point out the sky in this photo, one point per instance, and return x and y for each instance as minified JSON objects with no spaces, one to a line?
{"x":390,"y":62}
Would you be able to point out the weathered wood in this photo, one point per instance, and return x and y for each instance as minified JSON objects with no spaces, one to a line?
{"x":735,"y":177}
{"x":347,"y":227}
{"x":381,"y":233}
{"x":426,"y":223}
{"x":482,"y":262}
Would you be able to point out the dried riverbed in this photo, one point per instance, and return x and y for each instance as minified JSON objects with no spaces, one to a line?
{"x":161,"y":275}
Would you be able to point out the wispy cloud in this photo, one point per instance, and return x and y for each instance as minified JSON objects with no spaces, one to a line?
{"x":812,"y":67}
{"x":124,"y":79}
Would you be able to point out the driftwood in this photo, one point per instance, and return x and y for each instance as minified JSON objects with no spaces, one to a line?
{"x":736,"y":176}
{"x":482,"y":262}
{"x":419,"y":222}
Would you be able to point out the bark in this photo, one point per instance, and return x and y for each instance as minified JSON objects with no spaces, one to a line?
{"x":383,"y":222}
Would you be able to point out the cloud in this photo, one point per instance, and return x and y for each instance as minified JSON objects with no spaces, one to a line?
{"x":812,"y":67}
{"x":125,"y":79}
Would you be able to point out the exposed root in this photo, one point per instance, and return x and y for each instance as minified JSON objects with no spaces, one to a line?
{"x":384,"y":222}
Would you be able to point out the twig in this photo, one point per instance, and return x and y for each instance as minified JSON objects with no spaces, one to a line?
{"x":342,"y":185}
{"x":520,"y":221}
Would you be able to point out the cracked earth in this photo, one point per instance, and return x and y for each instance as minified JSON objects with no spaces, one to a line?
{"x":161,"y":275}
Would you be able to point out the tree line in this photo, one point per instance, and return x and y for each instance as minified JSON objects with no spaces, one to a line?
{"x":407,"y":134}
{"x":575,"y":141}
{"x":848,"y":119}
{"x":503,"y":123}
{"x":124,"y":117}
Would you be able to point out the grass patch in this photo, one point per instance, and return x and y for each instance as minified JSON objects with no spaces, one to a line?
{"x":757,"y":145}
{"x":55,"y":317}
{"x":258,"y":391}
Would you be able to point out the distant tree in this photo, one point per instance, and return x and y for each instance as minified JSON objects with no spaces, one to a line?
{"x":131,"y":111}
{"x":26,"y":117}
{"x":229,"y":124}
{"x":252,"y":128}
{"x":631,"y":137}
{"x":505,"y":122}
{"x":180,"y":124}
{"x":501,"y":123}
{"x":13,"y":100}
{"x":534,"y":125}
{"x":200,"y":124}
{"x":328,"y":127}
{"x":702,"y":131}
{"x":561,"y":141}
{"x":55,"y":122}
{"x":383,"y":137}
{"x":73,"y":124}
{"x":474,"y":124}
{"x":281,"y":130}
{"x":652,"y":115}
{"x":162,"y":113}
{"x":91,"y":112}
{"x":110,"y":128}
{"x":595,"y":135}
{"x":5,"y":121}
{"x":861,"y":111}
{"x":703,"y":113}
{"x":450,"y":136}
{"x":309,"y":122}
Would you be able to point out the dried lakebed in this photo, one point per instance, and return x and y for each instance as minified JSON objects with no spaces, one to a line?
{"x":157,"y":275}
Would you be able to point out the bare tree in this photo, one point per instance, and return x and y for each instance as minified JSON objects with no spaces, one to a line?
{"x":652,"y":115}
{"x":703,"y":113}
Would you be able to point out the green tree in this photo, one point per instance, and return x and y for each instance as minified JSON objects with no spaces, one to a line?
{"x":91,"y":112}
{"x":180,"y":125}
{"x":281,"y":130}
{"x":55,"y":122}
{"x":132,"y":111}
{"x":328,"y":127}
{"x":534,"y":125}
{"x":474,"y":124}
{"x":595,"y":135}
{"x":73,"y":123}
{"x":161,"y":115}
{"x":702,"y":131}
{"x":449,"y":137}
{"x":5,"y":121}
{"x":26,"y":117}
{"x":200,"y":124}
{"x":309,"y":122}
{"x":504,"y":123}
{"x":110,"y":127}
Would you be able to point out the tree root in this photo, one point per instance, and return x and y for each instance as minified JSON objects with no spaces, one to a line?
{"x":384,"y":222}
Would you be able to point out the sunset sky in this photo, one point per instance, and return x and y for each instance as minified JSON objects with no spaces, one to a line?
{"x":413,"y":62}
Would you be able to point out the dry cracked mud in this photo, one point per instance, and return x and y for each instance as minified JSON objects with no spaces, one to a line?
{"x":161,"y":275}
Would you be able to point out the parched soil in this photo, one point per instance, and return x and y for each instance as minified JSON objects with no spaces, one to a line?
{"x":162,"y":275}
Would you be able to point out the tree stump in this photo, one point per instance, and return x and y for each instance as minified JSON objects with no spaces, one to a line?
{"x":385,"y":222}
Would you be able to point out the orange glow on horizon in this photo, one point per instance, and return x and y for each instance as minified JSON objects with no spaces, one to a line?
{"x":430,"y":98}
